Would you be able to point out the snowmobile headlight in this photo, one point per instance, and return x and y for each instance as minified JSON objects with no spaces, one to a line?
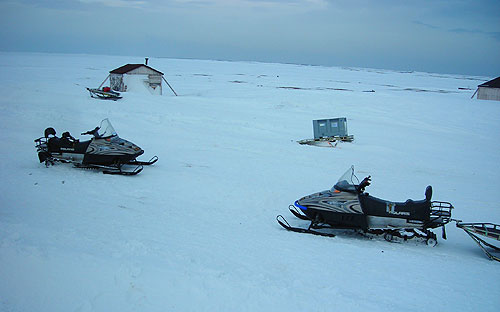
{"x":137,"y":149}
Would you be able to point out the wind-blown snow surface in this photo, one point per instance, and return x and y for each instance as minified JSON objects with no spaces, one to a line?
{"x":197,"y":231}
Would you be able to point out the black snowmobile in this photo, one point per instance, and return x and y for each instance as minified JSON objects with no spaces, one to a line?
{"x":347,"y":206}
{"x":106,"y":151}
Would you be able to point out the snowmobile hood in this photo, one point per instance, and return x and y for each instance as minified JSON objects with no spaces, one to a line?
{"x":114,"y":146}
{"x":326,"y":199}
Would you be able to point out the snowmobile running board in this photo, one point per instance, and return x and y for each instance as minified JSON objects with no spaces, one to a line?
{"x":489,"y":230}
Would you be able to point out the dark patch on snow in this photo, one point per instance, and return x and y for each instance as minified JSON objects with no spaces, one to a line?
{"x":317,"y":88}
{"x":334,"y":89}
{"x":293,"y":88}
{"x":425,"y":90}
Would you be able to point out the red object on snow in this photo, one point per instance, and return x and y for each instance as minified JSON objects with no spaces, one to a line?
{"x":106,"y":89}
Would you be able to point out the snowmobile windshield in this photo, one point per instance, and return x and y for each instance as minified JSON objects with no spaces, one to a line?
{"x":106,"y":130}
{"x":346,"y":182}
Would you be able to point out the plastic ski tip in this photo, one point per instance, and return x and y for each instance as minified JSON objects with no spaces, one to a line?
{"x":297,"y":214}
{"x":144,"y":163}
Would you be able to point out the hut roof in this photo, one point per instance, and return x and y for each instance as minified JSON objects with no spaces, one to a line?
{"x":129,"y":67}
{"x":495,"y":83}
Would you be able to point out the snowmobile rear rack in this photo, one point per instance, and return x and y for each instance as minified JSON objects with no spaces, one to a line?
{"x":441,"y":211}
{"x":489,"y":230}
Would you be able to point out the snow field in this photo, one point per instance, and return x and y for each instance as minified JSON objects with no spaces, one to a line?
{"x":197,"y":232}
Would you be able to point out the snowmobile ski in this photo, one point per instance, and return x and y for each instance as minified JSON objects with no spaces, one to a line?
{"x":144,"y":163}
{"x":297,"y":214}
{"x":118,"y":170}
{"x":124,"y":172}
{"x":282,"y":221}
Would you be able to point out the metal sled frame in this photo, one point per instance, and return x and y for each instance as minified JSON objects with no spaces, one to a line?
{"x":489,"y":230}
{"x":327,"y":142}
{"x":111,"y":95}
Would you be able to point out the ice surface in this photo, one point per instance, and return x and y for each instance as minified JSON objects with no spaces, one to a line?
{"x":197,"y":231}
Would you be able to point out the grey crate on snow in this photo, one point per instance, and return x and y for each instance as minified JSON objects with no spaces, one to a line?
{"x":324,"y":128}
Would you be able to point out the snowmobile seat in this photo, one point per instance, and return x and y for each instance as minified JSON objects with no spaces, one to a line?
{"x":50,"y":131}
{"x":428,"y":193}
{"x":54,"y":144}
{"x":411,"y":209}
{"x":67,"y":140}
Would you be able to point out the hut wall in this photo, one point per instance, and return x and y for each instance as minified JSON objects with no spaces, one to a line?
{"x":152,"y":80}
{"x":488,"y":94}
{"x":116,"y":82}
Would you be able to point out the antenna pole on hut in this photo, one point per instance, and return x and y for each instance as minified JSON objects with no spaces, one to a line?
{"x":103,"y":82}
{"x":169,"y":85}
{"x":474,"y":93}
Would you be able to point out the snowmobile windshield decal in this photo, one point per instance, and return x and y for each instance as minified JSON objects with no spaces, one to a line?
{"x":300,"y":206}
{"x":391,"y":209}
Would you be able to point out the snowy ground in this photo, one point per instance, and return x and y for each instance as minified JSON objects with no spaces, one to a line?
{"x":197,"y":231}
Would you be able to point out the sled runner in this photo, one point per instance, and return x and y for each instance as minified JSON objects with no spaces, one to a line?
{"x":106,"y":151}
{"x":347,"y":206}
{"x":489,"y":230}
{"x":327,"y":142}
{"x":105,"y":94}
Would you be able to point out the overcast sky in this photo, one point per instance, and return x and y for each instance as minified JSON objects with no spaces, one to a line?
{"x":442,"y":36}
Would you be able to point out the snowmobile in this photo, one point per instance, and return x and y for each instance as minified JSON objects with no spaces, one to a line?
{"x":104,"y":94}
{"x":106,"y":151}
{"x":347,"y":206}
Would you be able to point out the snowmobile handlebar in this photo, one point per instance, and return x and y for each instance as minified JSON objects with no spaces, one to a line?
{"x":92,"y":132}
{"x":366,"y":182}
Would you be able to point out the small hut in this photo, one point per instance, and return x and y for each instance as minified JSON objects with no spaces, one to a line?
{"x":137,"y":77}
{"x":489,"y":90}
